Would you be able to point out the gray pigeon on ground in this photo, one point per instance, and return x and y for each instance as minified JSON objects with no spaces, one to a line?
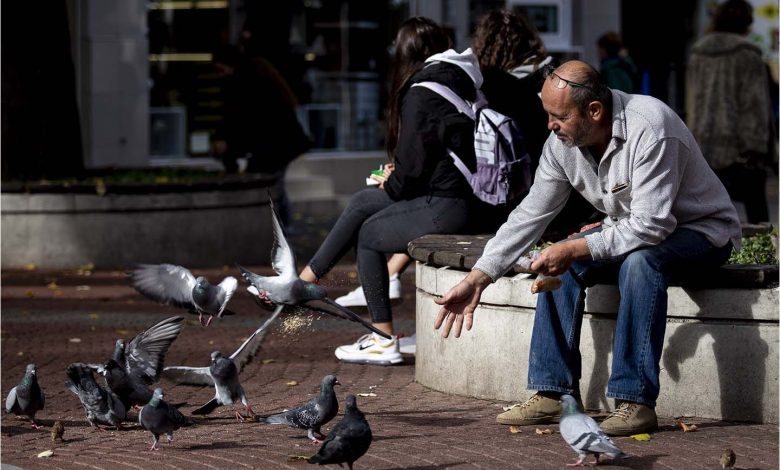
{"x":133,"y":368}
{"x":175,"y":285}
{"x":101,"y":404}
{"x":158,"y":417}
{"x":288,"y":289}
{"x":349,"y":439}
{"x":582,"y":433}
{"x":27,"y":398}
{"x":313,"y":414}
{"x":240,"y":357}
{"x":228,"y":389}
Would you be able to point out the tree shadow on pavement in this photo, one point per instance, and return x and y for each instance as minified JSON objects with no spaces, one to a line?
{"x":432,"y":467}
{"x":634,"y":462}
{"x":223,"y":445}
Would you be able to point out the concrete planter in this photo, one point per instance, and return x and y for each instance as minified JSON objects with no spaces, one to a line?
{"x":720,"y":358}
{"x":204,"y":224}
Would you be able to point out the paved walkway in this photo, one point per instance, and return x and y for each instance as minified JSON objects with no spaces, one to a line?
{"x":57,"y":318}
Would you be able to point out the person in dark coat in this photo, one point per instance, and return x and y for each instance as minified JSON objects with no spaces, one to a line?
{"x":422,"y":192}
{"x":260,"y":121}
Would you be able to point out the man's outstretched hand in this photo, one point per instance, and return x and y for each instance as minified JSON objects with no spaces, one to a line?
{"x":459,"y":304}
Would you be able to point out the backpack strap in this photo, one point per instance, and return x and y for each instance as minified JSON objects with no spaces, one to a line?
{"x":445,"y":92}
{"x":462,"y":106}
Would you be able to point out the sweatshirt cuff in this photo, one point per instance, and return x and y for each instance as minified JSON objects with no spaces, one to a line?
{"x":596,"y":245}
{"x":489,"y":269}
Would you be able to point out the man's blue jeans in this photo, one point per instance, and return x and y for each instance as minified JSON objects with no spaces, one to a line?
{"x":643,"y":276}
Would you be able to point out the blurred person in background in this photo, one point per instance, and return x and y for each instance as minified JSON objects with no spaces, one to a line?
{"x":619,"y":70}
{"x":727,"y":106}
{"x":260,"y":123}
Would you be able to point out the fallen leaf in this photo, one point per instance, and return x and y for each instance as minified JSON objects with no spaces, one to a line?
{"x":46,"y":453}
{"x":296,"y":458}
{"x":292,"y":383}
{"x":641,"y":437}
{"x":30,"y":267}
{"x":58,"y":292}
{"x":370,"y":394}
{"x":93,"y":316}
{"x":515,"y":429}
{"x":87,"y":267}
{"x":20,"y":353}
{"x":83,"y":288}
{"x":52,"y":285}
{"x":544,"y":431}
{"x":122,"y":332}
{"x":685,"y":426}
{"x":74,"y":340}
{"x":352,"y":275}
{"x":211,"y":341}
{"x":29,"y":293}
{"x":268,"y":361}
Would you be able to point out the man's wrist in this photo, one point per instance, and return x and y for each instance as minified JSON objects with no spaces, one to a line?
{"x":479,"y":279}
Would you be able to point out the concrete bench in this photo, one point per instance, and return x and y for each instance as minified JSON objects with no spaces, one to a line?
{"x":720,"y":356}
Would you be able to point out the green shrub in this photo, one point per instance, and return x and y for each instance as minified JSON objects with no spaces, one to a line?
{"x":756,"y":249}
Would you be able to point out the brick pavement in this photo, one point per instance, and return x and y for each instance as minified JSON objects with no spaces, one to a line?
{"x":52,"y":319}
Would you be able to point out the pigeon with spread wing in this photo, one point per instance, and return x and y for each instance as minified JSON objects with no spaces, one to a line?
{"x":175,"y":285}
{"x":286,"y":288}
{"x":139,"y":364}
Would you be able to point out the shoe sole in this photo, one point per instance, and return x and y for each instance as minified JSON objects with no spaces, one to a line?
{"x":529,"y":421}
{"x":391,"y":362}
{"x":630,"y":432}
{"x":393,"y":302}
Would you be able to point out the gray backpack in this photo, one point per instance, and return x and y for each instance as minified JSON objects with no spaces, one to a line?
{"x":503,"y":164}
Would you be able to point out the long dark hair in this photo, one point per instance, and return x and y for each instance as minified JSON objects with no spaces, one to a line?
{"x":418,"y":38}
{"x":504,"y":40}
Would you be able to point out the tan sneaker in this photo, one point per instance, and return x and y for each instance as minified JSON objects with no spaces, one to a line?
{"x":630,"y":418}
{"x":541,"y":408}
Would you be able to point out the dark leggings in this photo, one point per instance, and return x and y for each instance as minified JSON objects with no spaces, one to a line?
{"x":375,"y":225}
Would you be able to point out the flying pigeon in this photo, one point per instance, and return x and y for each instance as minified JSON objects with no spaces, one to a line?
{"x":348,"y":440}
{"x":158,"y":417}
{"x":228,"y":389}
{"x":175,"y":285}
{"x":312,"y":414}
{"x":27,"y":398}
{"x":288,"y":289}
{"x":102,"y":405}
{"x":583,"y":434}
{"x":240,"y":357}
{"x":133,"y":368}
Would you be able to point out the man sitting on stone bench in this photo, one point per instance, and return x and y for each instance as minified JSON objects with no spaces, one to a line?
{"x":667,"y":215}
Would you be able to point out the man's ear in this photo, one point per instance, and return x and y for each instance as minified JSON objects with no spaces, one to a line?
{"x":596,"y":110}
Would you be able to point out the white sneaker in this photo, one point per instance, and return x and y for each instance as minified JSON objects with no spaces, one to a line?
{"x":408,"y":344}
{"x":371,"y":349}
{"x":357,"y":298}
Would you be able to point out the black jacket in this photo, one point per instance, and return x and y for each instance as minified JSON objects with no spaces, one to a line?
{"x":429,"y":126}
{"x":517,"y":98}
